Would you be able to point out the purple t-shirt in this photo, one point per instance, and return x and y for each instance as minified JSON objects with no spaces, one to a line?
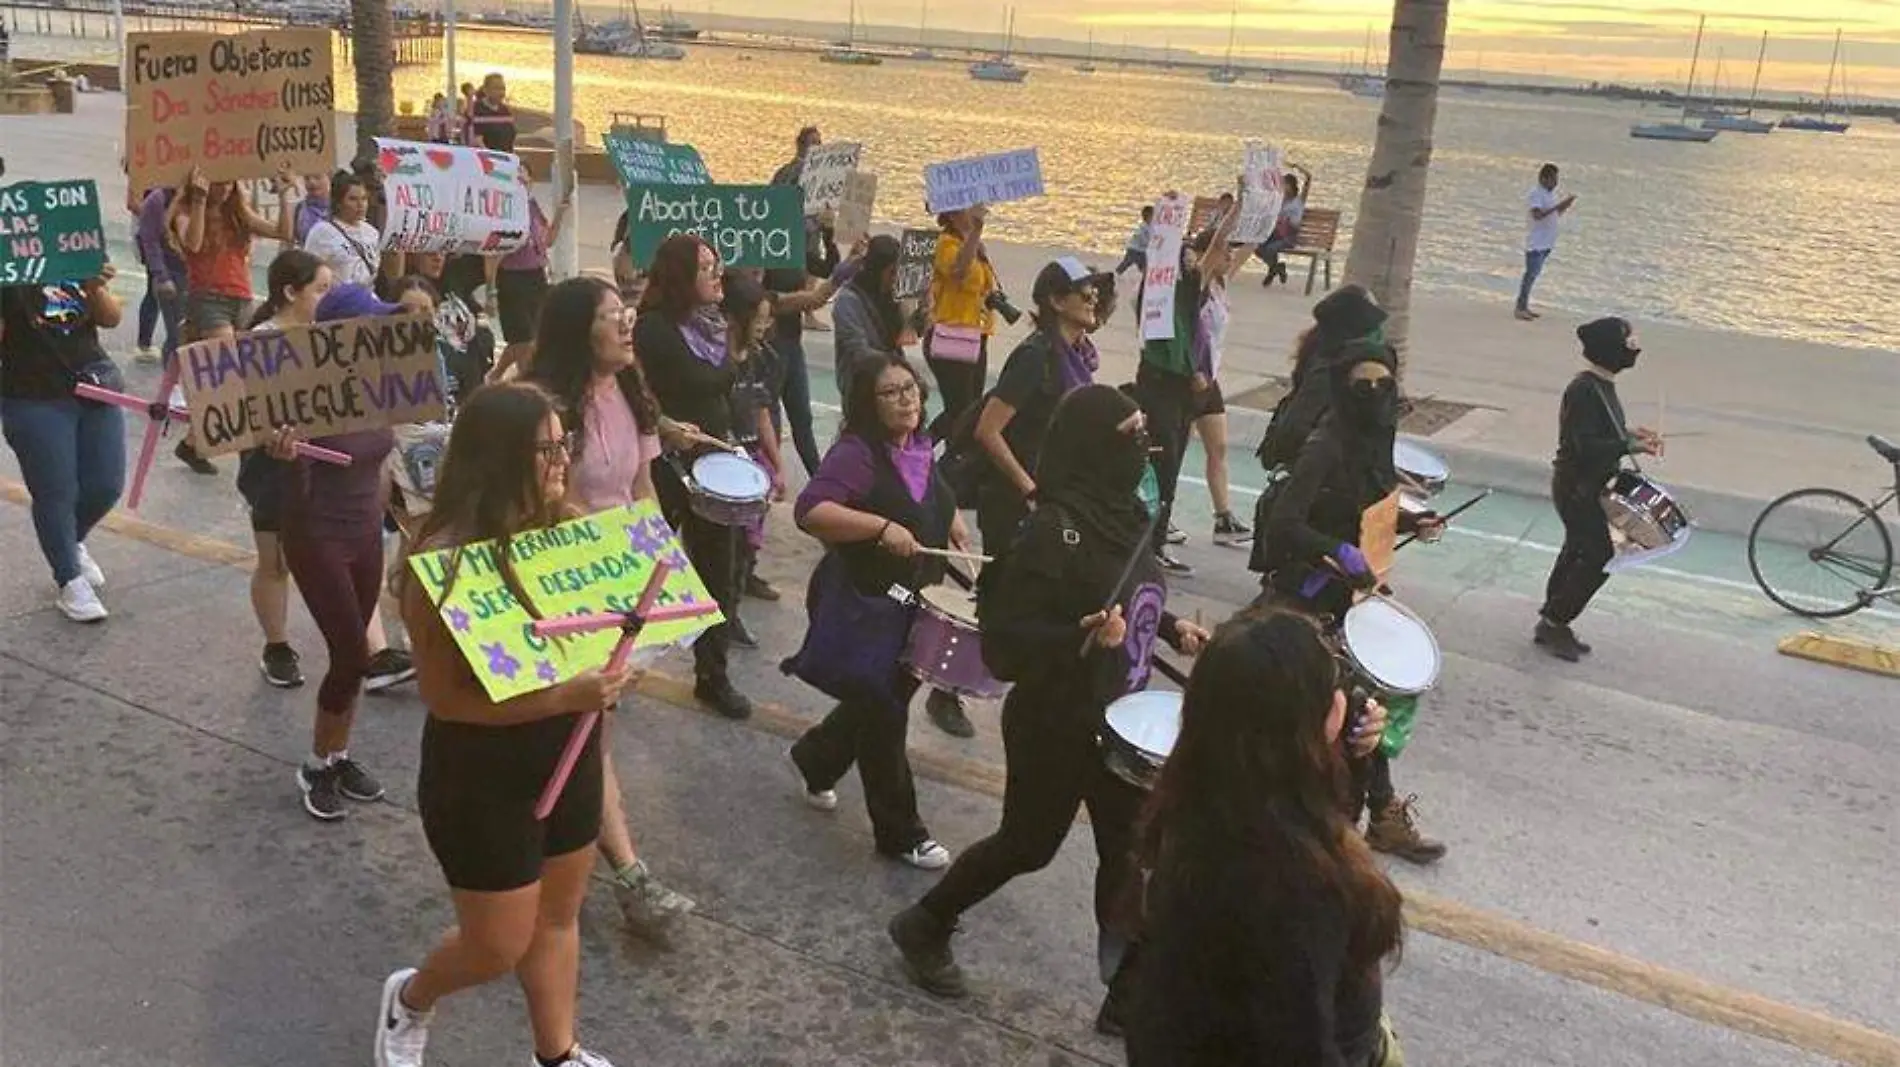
{"x":340,"y":503}
{"x":533,"y":253}
{"x":848,"y":471}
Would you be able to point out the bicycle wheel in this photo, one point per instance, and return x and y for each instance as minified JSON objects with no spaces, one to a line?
{"x":1817,"y":551}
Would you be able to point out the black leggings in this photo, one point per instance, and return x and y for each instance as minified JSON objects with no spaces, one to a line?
{"x":872,"y":735}
{"x":717,"y":553}
{"x":1167,"y":399}
{"x":340,"y":580}
{"x":1578,"y":572}
{"x":1054,"y":765}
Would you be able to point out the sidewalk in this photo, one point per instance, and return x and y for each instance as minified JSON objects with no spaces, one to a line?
{"x":1752,"y":417}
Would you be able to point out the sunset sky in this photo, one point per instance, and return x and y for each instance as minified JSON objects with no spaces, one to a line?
{"x":1628,"y":40}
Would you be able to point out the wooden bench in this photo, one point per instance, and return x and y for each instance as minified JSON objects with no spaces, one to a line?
{"x":1319,"y":230}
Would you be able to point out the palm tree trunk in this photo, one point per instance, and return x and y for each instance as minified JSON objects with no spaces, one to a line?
{"x":372,"y":48}
{"x":1392,"y":204}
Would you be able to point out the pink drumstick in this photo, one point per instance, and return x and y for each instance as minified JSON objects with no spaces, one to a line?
{"x":582,"y":624}
{"x":576,"y":741}
{"x":89,"y":391}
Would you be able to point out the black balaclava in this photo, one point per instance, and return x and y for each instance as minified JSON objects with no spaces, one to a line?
{"x":1348,"y":314}
{"x":1091,"y":469}
{"x":1367,"y":414}
{"x":1606,"y":343}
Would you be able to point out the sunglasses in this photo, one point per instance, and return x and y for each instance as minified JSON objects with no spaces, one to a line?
{"x":898,"y":392}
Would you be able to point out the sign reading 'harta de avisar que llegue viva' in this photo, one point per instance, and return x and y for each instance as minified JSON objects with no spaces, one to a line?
{"x":748,"y":225}
{"x":451,"y":199}
{"x":325,"y":379}
{"x":50,"y":232}
{"x":237,"y":105}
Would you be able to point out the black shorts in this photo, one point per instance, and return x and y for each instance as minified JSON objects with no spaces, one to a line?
{"x":520,"y":292}
{"x":477,"y":790}
{"x":260,"y":481}
{"x":1210,"y":402}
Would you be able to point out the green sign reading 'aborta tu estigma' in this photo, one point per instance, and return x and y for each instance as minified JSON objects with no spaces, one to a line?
{"x":748,"y":225}
{"x":50,"y":232}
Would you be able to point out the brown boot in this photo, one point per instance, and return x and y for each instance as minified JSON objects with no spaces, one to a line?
{"x":1395,"y":831}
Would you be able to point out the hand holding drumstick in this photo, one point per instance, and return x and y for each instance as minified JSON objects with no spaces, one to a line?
{"x":1107,"y":629}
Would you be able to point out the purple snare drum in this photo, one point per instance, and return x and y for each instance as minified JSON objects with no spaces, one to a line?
{"x":944,"y":649}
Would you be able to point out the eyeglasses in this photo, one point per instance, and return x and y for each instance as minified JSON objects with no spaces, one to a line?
{"x":898,"y":392}
{"x":709,"y":270}
{"x":555,"y":451}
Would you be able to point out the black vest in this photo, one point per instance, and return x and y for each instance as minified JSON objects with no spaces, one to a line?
{"x":873,"y":570}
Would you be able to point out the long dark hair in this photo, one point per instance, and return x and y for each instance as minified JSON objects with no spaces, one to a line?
{"x":293,"y":268}
{"x":1253,"y":781}
{"x":860,"y":404}
{"x":564,"y":357}
{"x":673,"y":279}
{"x":488,"y":487}
{"x":340,"y":185}
{"x":880,"y":255}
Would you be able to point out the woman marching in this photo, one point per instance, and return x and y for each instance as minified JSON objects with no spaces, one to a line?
{"x":875,"y":499}
{"x":962,"y":317}
{"x":1310,"y":553}
{"x":1045,"y":628}
{"x":1265,"y":919}
{"x":680,"y":337}
{"x":517,"y":882}
{"x":584,"y":359}
{"x":758,"y":381}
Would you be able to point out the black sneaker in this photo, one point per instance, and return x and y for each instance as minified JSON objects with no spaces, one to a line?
{"x":321,"y":796}
{"x":737,"y":633}
{"x":1559,"y":641}
{"x":1173,"y":566}
{"x":946,"y":711}
{"x":1229,"y":530}
{"x":355,"y":782}
{"x":928,"y":959}
{"x":718,"y":694}
{"x":189,"y":457}
{"x":390,"y":667}
{"x":759,"y":589}
{"x":280,"y":666}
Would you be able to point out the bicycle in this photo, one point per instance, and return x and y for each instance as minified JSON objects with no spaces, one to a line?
{"x":1831,"y":543}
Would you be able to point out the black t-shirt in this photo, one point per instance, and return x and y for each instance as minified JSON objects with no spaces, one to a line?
{"x":1030,"y":384}
{"x":495,"y":136}
{"x":49,"y":338}
{"x":755,"y":387}
{"x":1592,"y":431}
{"x":688,"y":388}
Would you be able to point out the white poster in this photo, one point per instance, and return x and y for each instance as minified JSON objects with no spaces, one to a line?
{"x":1262,"y":169}
{"x":994,"y":179}
{"x":451,"y":199}
{"x":854,"y":210}
{"x":823,"y":177}
{"x":1164,"y":268}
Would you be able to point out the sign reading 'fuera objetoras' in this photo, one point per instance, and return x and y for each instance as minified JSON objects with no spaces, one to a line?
{"x":237,"y":105}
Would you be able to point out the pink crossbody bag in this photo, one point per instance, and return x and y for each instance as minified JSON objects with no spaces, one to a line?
{"x":958,"y":344}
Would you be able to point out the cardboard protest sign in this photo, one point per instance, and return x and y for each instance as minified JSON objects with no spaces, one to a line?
{"x":50,"y":232}
{"x":1263,"y":171}
{"x":451,"y":199}
{"x":854,"y":211}
{"x":991,"y":179}
{"x":823,"y":176}
{"x":324,"y":379}
{"x":1379,"y":533}
{"x":1164,"y":268}
{"x":238,"y":105}
{"x":916,"y":262}
{"x":588,"y":566}
{"x":642,"y":161}
{"x":748,"y":225}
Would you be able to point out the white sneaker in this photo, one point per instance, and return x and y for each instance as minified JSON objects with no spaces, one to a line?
{"x":578,"y":1057}
{"x":401,"y":1034}
{"x":818,"y":799}
{"x":147,"y":354}
{"x":927,"y":856}
{"x":80,"y":602}
{"x":89,"y":569}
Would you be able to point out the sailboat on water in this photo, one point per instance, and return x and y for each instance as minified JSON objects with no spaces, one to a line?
{"x":847,"y":51}
{"x":1087,"y":66}
{"x":1746,"y":122}
{"x":1821,"y":123}
{"x":1365,"y":83}
{"x":1227,"y":73}
{"x":922,"y":51}
{"x":1679,"y":130}
{"x":999,"y":68}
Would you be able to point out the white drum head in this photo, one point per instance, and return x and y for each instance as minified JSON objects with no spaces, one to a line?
{"x":729,"y":477}
{"x":1149,"y":720}
{"x":1391,"y":645}
{"x":1418,"y":461}
{"x":950,"y":602}
{"x":1414,"y":505}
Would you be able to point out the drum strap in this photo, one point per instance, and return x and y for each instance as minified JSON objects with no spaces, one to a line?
{"x":1621,"y":426}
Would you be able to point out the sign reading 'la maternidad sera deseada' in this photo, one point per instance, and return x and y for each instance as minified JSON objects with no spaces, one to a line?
{"x":747,"y":225}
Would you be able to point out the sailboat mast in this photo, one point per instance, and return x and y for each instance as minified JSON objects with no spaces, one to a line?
{"x":1233,"y":21}
{"x":1694,"y":58}
{"x":1827,"y":95}
{"x":1761,"y":57}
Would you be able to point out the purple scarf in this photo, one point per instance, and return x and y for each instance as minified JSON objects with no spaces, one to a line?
{"x":912,"y":461}
{"x":1076,"y":363}
{"x":705,"y":334}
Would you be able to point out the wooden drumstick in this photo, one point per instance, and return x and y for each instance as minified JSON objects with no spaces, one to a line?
{"x":951,"y":553}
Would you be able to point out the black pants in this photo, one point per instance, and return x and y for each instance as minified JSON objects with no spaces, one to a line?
{"x":1371,"y":784}
{"x":1000,"y":509}
{"x":961,"y":385}
{"x":1053,"y":766}
{"x":717,"y":553}
{"x":871,"y":734}
{"x":1578,"y":572}
{"x":1168,"y":401}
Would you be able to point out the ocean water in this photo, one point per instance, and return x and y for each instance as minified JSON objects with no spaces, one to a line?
{"x":1790,"y":235}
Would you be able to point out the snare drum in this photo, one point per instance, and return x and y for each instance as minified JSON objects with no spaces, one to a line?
{"x":1413,"y":504}
{"x":1390,"y":647}
{"x":1420,"y":465}
{"x":1643,"y":511}
{"x":413,"y":465}
{"x":945,"y":648}
{"x":1139,"y":734}
{"x":729,"y":490}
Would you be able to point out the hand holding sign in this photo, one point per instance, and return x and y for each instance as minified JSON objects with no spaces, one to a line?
{"x":51,"y":232}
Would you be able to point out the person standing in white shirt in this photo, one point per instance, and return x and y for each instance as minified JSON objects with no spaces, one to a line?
{"x":346,"y":242}
{"x":1545,"y":211}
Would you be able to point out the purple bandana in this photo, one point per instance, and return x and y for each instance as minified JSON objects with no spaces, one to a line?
{"x":705,"y":333}
{"x":1076,"y":363}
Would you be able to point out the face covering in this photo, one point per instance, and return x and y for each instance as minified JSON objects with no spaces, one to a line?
{"x":1373,"y":405}
{"x":1607,"y":343}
